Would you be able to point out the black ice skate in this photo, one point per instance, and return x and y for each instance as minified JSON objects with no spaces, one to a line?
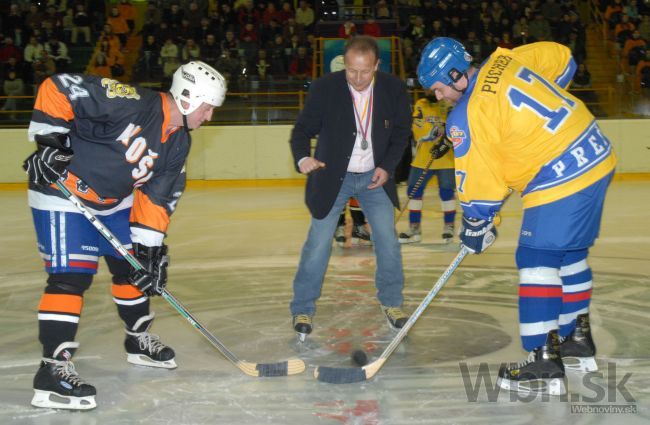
{"x":302,"y":324}
{"x":542,"y":372}
{"x":395,"y":316}
{"x":578,"y":349}
{"x":339,"y":236}
{"x":145,"y":349}
{"x":448,"y":233}
{"x":360,"y":236}
{"x":57,"y":384}
{"x":412,"y":235}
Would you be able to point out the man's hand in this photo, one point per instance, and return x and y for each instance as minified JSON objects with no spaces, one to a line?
{"x":153,"y":279}
{"x":379,"y":178}
{"x":477,"y":234}
{"x":310,"y":165}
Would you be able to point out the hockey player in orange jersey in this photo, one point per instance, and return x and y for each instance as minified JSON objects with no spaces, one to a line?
{"x":122,"y":150}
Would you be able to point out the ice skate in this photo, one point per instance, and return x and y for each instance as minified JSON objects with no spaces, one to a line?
{"x":360,"y":236}
{"x":339,"y":236}
{"x":542,"y":372}
{"x":448,"y":233}
{"x":412,"y":235}
{"x":395,"y":316}
{"x":302,"y":324}
{"x":578,"y":349}
{"x":57,"y":384}
{"x":145,"y":349}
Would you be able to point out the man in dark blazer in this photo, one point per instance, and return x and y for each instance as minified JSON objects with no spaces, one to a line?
{"x":363,"y":122}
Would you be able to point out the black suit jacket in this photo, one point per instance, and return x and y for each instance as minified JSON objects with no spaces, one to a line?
{"x":329,"y":113}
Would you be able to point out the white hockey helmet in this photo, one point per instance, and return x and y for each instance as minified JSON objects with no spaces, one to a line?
{"x":195,"y":83}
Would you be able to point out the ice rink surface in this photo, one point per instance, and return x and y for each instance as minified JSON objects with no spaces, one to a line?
{"x":234,"y":251}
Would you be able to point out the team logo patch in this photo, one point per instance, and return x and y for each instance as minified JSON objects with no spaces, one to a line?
{"x":457,"y":136}
{"x":82,"y":187}
{"x":116,"y":89}
{"x":187,"y":76}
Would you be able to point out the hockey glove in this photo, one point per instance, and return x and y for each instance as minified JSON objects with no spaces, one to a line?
{"x":51,"y":159}
{"x":441,"y":148}
{"x":153,"y":278}
{"x":477,"y":234}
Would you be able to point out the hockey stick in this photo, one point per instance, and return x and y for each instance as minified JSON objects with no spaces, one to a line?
{"x":433,"y":135}
{"x":346,"y":375}
{"x":289,"y":367}
{"x":416,"y":187}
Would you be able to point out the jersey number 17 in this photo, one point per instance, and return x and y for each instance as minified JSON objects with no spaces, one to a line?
{"x":553,"y":118}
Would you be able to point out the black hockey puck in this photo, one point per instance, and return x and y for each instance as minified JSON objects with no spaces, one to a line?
{"x":359,"y":358}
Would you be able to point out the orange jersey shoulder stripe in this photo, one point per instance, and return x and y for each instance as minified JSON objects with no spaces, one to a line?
{"x":147,"y":213}
{"x":166,"y":130}
{"x":52,"y":102}
{"x":61,"y":303}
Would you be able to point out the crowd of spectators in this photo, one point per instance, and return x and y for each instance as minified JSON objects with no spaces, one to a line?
{"x":245,"y":40}
{"x":270,"y":41}
{"x":35,"y":38}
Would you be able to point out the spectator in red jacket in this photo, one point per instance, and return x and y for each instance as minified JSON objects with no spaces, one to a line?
{"x":372,"y":28}
{"x":301,"y":65}
{"x":248,"y":13}
{"x":347,"y":29}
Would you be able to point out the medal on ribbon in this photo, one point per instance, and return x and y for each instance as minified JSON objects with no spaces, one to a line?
{"x":366,"y":113}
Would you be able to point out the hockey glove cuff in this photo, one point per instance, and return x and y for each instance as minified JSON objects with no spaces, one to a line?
{"x":477,"y":234}
{"x":47,"y":164}
{"x":153,"y":278}
{"x":51,"y":159}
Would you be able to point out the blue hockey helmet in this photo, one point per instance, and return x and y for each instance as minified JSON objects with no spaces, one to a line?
{"x":443,"y":59}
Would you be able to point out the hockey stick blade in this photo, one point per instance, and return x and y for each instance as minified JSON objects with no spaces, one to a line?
{"x":335,"y":375}
{"x":348,"y":375}
{"x":290,"y":367}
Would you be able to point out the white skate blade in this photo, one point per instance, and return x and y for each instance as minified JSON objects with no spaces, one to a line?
{"x":301,"y":336}
{"x":52,"y":400}
{"x":580,"y":364}
{"x":553,"y":386}
{"x":142,"y":360}
{"x":412,"y":239}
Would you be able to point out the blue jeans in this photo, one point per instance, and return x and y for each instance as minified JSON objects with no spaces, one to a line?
{"x":389,"y":277}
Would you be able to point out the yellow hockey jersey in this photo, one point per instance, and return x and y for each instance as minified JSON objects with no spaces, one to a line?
{"x":516,"y":127}
{"x":426,"y":117}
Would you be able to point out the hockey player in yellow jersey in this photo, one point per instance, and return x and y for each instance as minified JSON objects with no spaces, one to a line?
{"x":433,"y":156}
{"x":514,"y":127}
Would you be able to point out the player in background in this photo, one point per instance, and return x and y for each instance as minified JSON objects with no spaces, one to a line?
{"x":122,"y":151}
{"x":360,"y":235}
{"x":433,"y":156}
{"x":514,"y":126}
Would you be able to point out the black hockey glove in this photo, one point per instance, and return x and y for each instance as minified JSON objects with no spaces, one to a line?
{"x":51,"y":159}
{"x":477,"y":234}
{"x":441,"y":148}
{"x":153,"y":279}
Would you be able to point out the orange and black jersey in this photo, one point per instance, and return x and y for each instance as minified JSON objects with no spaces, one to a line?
{"x":120,"y":138}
